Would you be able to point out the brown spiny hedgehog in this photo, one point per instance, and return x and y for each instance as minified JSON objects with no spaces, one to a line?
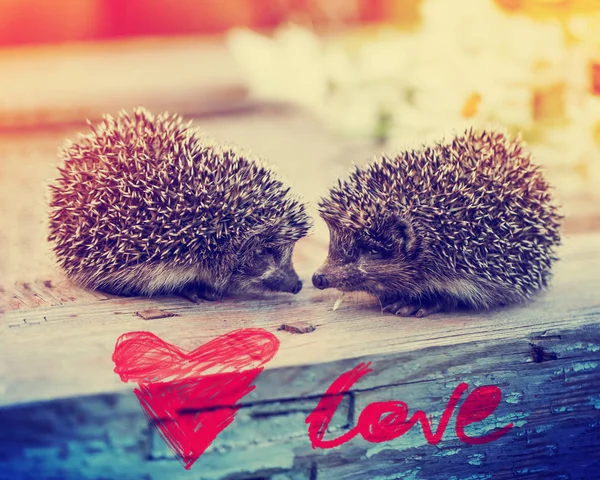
{"x":147,"y":205}
{"x":462,"y":223}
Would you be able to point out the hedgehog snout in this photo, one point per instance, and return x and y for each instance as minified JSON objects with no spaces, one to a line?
{"x":297,"y":287}
{"x":290,"y":287}
{"x":293,"y":286}
{"x":283,"y":281}
{"x":320,"y":281}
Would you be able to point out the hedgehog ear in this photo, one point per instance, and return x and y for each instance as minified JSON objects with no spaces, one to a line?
{"x":251,"y":244}
{"x":259,"y":237}
{"x":400,"y":233}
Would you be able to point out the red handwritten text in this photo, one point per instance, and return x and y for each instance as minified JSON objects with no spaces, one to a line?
{"x":384,"y":421}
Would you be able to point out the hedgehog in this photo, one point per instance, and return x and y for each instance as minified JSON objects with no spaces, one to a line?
{"x":146,"y":205}
{"x":466,"y":222}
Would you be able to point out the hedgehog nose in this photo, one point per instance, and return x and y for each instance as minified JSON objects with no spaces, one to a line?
{"x":320,"y":281}
{"x":297,"y":287}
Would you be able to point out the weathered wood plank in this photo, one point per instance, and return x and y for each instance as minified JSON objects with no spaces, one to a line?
{"x":554,"y":406}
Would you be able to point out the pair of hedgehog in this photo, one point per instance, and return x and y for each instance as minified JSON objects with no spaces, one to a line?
{"x":146,"y":205}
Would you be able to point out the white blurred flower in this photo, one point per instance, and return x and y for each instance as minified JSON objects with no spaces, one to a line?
{"x":469,"y":64}
{"x":289,"y":67}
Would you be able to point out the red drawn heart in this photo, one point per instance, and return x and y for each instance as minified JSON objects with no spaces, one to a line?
{"x":191,"y":397}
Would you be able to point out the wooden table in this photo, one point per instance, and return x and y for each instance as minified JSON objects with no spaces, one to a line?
{"x":65,"y":413}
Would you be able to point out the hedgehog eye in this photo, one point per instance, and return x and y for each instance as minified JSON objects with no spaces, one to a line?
{"x":373,"y":252}
{"x":352,"y":253}
{"x":264,"y":251}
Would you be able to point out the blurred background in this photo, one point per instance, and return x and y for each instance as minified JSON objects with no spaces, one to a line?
{"x":311,"y":85}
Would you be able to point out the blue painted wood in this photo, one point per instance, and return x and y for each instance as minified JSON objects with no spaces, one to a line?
{"x":553,"y":400}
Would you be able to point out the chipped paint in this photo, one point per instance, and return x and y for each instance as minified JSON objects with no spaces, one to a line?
{"x":518,"y":419}
{"x":482,"y":428}
{"x":542,"y":428}
{"x":595,"y":401}
{"x":514,"y":398}
{"x":582,"y":366}
{"x":562,"y":409}
{"x":408,"y":475}
{"x":412,"y":474}
{"x":587,"y":347}
{"x":394,"y":476}
{"x":412,"y":439}
{"x":447,"y":452}
{"x":379,"y":447}
{"x":476,"y":459}
{"x":576,"y":367}
{"x":527,"y":471}
{"x":477,"y":476}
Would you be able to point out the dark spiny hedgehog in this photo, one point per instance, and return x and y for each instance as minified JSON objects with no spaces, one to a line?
{"x":464,"y":223}
{"x":146,"y":205}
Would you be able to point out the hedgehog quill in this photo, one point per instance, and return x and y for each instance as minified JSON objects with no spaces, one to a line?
{"x":468,"y":222}
{"x":146,"y":205}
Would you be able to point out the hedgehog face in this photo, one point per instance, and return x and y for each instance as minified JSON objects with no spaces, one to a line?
{"x":380,"y":260}
{"x":266,"y":269}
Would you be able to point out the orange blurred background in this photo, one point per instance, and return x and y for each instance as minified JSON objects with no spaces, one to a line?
{"x":40,"y":21}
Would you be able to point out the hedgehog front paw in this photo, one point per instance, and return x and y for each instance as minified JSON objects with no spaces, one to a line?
{"x":210,"y":294}
{"x":424,"y":311}
{"x":190,"y":294}
{"x":401,"y":308}
{"x":404,"y":308}
{"x":195,"y":294}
